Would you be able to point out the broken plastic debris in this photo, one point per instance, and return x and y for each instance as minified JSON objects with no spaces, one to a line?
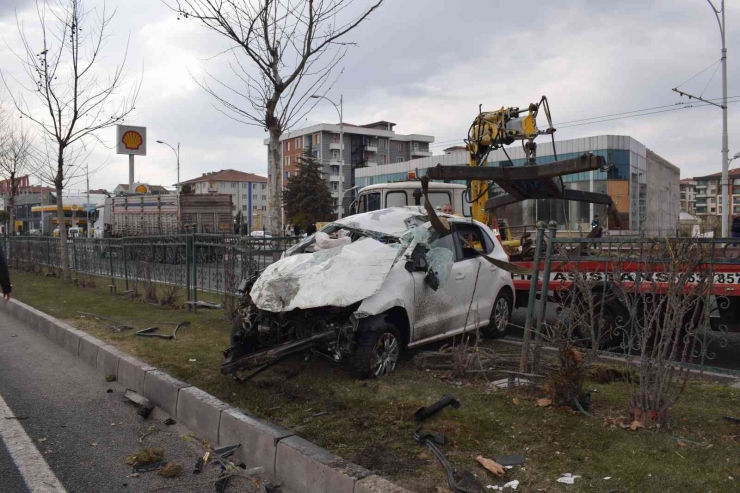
{"x":192,"y":360}
{"x":607,"y":478}
{"x":512,"y":484}
{"x":568,"y":478}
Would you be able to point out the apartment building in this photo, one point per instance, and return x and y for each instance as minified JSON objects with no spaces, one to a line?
{"x":248,"y":193}
{"x":365,"y":146}
{"x":708,"y":204}
{"x":687,"y":195}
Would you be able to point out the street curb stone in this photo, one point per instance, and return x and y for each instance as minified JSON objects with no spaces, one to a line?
{"x":162,"y":390}
{"x":304,"y":466}
{"x":108,"y":359}
{"x":200,"y":411}
{"x":131,"y":373}
{"x":298,"y":464}
{"x":259,"y":438}
{"x":88,"y":350}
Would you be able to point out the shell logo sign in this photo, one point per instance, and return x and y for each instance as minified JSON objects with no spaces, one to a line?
{"x":131,"y":140}
{"x":142,"y":189}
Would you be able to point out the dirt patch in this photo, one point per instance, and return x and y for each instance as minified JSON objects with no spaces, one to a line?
{"x":383,"y":460}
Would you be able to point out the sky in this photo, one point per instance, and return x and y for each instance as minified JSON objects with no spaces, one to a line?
{"x":427,"y":66}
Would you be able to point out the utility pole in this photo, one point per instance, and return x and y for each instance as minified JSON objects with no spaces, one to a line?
{"x":340,"y":110}
{"x":87,"y":180}
{"x":725,"y":181}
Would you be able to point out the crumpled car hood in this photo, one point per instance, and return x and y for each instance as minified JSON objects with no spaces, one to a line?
{"x":336,"y":277}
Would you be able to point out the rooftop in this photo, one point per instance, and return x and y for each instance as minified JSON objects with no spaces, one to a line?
{"x":153,"y":188}
{"x":733,"y":173}
{"x":227,"y":175}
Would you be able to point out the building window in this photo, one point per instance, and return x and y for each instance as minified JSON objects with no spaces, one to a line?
{"x":334,"y":185}
{"x":263,"y":186}
{"x":264,"y":197}
{"x":234,"y":185}
{"x":244,"y":185}
{"x":287,"y":161}
{"x":244,"y":196}
{"x":416,"y":146}
{"x":316,"y":139}
{"x":287,"y":146}
{"x":244,"y":207}
{"x":335,"y":138}
{"x":385,"y":158}
{"x":254,"y":207}
{"x":264,"y":207}
{"x":298,"y":143}
{"x":335,"y":154}
{"x":383,"y":144}
{"x":254,"y":186}
{"x":287,"y":175}
{"x":335,"y":170}
{"x":223,"y":184}
{"x":399,"y":159}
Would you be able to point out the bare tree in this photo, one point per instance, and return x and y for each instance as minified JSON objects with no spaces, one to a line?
{"x":15,"y":148}
{"x":74,"y":101}
{"x":284,"y":42}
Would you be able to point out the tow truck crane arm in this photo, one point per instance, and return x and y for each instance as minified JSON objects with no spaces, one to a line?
{"x":497,"y":129}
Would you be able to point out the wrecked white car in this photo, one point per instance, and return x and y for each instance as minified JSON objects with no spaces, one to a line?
{"x":366,"y":287}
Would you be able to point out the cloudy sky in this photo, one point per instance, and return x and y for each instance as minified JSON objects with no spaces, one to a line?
{"x":427,"y":65}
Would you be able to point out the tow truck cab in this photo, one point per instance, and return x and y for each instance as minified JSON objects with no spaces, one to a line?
{"x":443,"y":196}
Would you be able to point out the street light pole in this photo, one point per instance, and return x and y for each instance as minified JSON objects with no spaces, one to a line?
{"x":725,"y":181}
{"x":340,"y":110}
{"x":177,"y":189}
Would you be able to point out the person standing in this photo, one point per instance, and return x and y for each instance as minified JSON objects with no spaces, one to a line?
{"x":311,"y":229}
{"x":5,"y":276}
{"x":296,"y":229}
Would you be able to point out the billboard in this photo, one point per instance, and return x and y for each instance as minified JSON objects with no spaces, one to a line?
{"x":131,"y":140}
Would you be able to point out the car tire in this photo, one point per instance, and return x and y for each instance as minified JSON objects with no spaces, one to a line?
{"x":378,"y":351}
{"x":500,"y":316}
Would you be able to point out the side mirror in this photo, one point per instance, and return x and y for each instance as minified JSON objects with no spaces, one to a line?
{"x":418,"y":260}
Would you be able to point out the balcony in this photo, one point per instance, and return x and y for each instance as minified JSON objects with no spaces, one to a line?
{"x":371,"y":148}
{"x":372,"y":163}
{"x":335,"y":146}
{"x":336,"y":178}
{"x":420,"y":153}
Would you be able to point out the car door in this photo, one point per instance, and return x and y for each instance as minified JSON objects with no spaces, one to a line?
{"x":441,"y":312}
{"x":472,"y":240}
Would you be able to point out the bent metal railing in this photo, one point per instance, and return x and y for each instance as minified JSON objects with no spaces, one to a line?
{"x":634,"y":270}
{"x":197,"y":262}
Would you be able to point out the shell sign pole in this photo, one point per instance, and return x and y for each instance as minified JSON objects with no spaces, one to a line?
{"x":132,"y":141}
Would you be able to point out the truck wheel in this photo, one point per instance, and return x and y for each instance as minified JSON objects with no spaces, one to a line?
{"x":378,"y":351}
{"x":500,"y":316}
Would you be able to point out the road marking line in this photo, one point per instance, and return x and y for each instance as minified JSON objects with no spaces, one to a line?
{"x":36,"y":473}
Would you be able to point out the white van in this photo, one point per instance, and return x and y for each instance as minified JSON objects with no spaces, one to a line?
{"x":403,"y":193}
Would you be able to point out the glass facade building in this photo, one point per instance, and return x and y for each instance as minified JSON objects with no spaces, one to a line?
{"x":635,"y":177}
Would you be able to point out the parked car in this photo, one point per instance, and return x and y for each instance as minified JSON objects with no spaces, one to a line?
{"x":366,"y":287}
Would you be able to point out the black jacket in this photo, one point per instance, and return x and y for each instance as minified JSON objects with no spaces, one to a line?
{"x":4,"y":274}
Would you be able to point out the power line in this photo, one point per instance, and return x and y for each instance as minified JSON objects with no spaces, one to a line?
{"x":620,"y":116}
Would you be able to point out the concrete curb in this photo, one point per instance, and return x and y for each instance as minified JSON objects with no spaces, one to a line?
{"x":298,"y":464}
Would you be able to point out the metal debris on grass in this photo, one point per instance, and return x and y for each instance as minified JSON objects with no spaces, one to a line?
{"x":568,"y":478}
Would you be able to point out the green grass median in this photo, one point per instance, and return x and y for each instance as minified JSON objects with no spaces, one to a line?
{"x":370,"y":422}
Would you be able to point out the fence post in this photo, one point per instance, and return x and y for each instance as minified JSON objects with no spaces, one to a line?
{"x":110,"y":255}
{"x":74,"y":255}
{"x":125,"y":261}
{"x":188,"y":251}
{"x":49,"y":267}
{"x":195,"y":272}
{"x":532,"y":296}
{"x":540,"y":314}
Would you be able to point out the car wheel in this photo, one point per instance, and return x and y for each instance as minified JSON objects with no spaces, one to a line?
{"x":500,"y":316}
{"x":378,"y":352}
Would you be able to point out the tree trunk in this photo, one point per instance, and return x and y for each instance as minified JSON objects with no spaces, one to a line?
{"x":11,"y":202}
{"x":59,"y":185}
{"x":275,"y":188}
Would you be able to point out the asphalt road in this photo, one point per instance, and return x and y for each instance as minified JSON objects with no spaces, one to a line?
{"x":74,"y":435}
